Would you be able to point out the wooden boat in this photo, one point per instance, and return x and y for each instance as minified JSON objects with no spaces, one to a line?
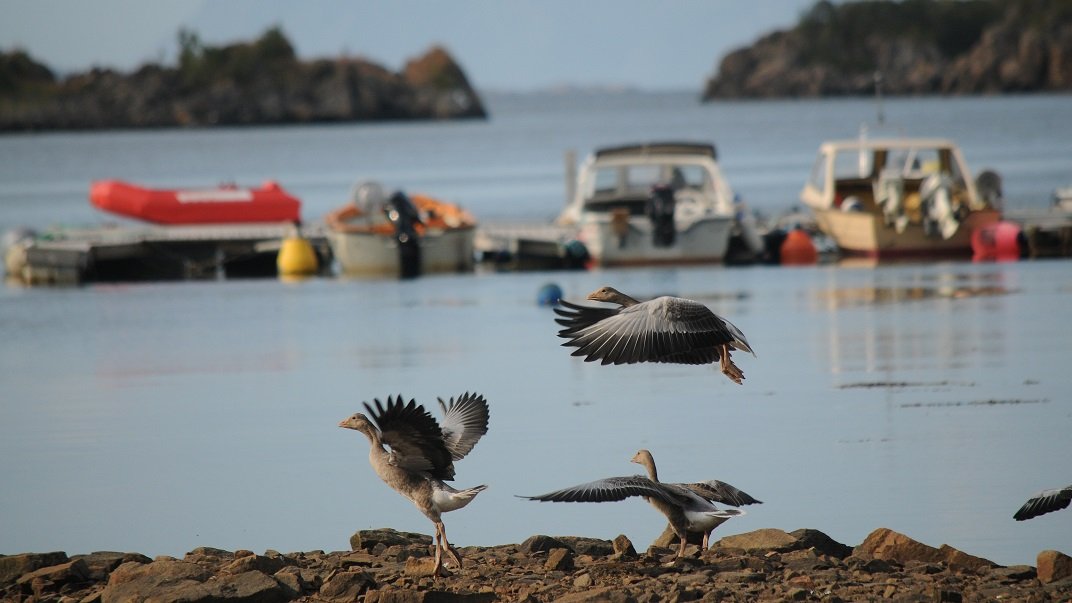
{"x":655,"y":203}
{"x":224,"y":204}
{"x":898,"y":197}
{"x":404,"y":236}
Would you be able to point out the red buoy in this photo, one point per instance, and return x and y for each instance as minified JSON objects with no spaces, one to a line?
{"x":996,"y":242}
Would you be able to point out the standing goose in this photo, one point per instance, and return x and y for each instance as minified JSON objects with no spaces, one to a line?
{"x":422,"y":454}
{"x":1045,"y":502}
{"x":664,"y":329}
{"x":688,"y":507}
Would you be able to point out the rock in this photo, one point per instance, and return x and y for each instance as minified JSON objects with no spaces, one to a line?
{"x":623,"y":547}
{"x":1006,"y":48}
{"x":101,"y":563}
{"x":508,"y":573}
{"x":540,"y":543}
{"x":1053,"y":566}
{"x":435,"y":596}
{"x":291,"y":580}
{"x":821,"y":542}
{"x":432,"y":86}
{"x":367,"y":540}
{"x":420,"y":567}
{"x":64,"y":573}
{"x":251,"y":587}
{"x":606,"y":594}
{"x":267,"y":565}
{"x":165,"y":570}
{"x":769,"y":539}
{"x":958,"y":559}
{"x":346,"y":586}
{"x":1015,"y":573}
{"x":884,"y":543}
{"x":588,"y":546}
{"x":208,"y":551}
{"x":13,"y":566}
{"x":559,"y":560}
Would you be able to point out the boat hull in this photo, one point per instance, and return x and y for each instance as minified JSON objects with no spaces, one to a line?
{"x":371,"y":254}
{"x":224,"y":205}
{"x":859,"y":233}
{"x":702,"y":242}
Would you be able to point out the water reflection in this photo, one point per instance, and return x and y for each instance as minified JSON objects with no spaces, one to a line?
{"x":913,"y":318}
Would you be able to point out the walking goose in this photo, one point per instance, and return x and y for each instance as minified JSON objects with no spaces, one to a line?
{"x":422,"y":454}
{"x":688,"y":507}
{"x":664,"y":329}
{"x":1045,"y":502}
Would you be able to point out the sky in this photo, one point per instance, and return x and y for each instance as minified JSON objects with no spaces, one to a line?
{"x":502,"y":45}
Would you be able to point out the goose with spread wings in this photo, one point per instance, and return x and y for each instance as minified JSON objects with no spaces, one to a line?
{"x":664,"y":329}
{"x":1044,"y":502}
{"x":688,"y":507}
{"x":419,"y":455}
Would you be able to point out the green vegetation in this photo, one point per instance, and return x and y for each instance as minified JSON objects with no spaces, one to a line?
{"x":201,"y":65}
{"x":841,"y":34}
{"x":21,"y":75}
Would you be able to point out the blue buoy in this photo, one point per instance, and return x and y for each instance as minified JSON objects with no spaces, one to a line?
{"x":549,"y":295}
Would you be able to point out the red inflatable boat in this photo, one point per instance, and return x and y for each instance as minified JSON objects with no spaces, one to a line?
{"x":226,"y":204}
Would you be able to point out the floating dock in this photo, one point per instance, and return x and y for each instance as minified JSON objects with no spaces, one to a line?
{"x":529,"y":246}
{"x":139,"y":253}
{"x":207,"y":252}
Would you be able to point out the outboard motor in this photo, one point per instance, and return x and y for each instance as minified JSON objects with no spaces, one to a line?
{"x":661,"y":214}
{"x":988,"y":184}
{"x":401,"y":212}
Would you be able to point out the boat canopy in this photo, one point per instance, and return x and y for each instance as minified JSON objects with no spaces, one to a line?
{"x":659,"y":148}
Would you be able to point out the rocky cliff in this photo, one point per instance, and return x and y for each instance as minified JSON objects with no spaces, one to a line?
{"x":243,"y":84}
{"x":913,"y":47}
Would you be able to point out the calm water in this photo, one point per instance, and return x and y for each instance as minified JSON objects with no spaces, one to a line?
{"x":930,"y":399}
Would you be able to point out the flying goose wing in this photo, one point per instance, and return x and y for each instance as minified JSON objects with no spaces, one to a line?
{"x":415,"y":438}
{"x":665,"y":329}
{"x":1045,"y":502}
{"x":464,"y":422}
{"x":610,"y":489}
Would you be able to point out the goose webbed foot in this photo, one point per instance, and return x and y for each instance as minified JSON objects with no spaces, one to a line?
{"x":454,"y":556}
{"x":729,"y":368}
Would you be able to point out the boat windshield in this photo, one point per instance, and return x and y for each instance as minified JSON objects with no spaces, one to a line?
{"x":910,"y":163}
{"x":632,"y":180}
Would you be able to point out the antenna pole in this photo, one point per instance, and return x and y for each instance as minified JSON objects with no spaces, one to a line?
{"x":877,"y":77}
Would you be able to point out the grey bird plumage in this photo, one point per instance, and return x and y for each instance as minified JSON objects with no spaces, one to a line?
{"x":664,"y":329}
{"x":414,"y":455}
{"x":689,"y":507}
{"x":1044,"y":502}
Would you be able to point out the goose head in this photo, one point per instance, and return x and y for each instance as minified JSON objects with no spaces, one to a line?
{"x":358,"y":422}
{"x":644,"y":458}
{"x":612,"y":295}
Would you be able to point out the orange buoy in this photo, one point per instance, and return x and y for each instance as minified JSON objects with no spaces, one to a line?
{"x":798,"y":249}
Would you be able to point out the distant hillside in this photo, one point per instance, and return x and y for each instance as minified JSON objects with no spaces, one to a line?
{"x":261,"y":82}
{"x":915,"y":46}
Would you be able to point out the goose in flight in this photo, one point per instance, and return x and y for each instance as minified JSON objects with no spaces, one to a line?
{"x":664,"y":329}
{"x":688,"y":507}
{"x":1045,"y":502}
{"x":420,"y":454}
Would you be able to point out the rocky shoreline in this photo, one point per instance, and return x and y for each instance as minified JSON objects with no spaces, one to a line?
{"x":389,"y":566}
{"x":847,"y":49}
{"x":259,"y":83}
